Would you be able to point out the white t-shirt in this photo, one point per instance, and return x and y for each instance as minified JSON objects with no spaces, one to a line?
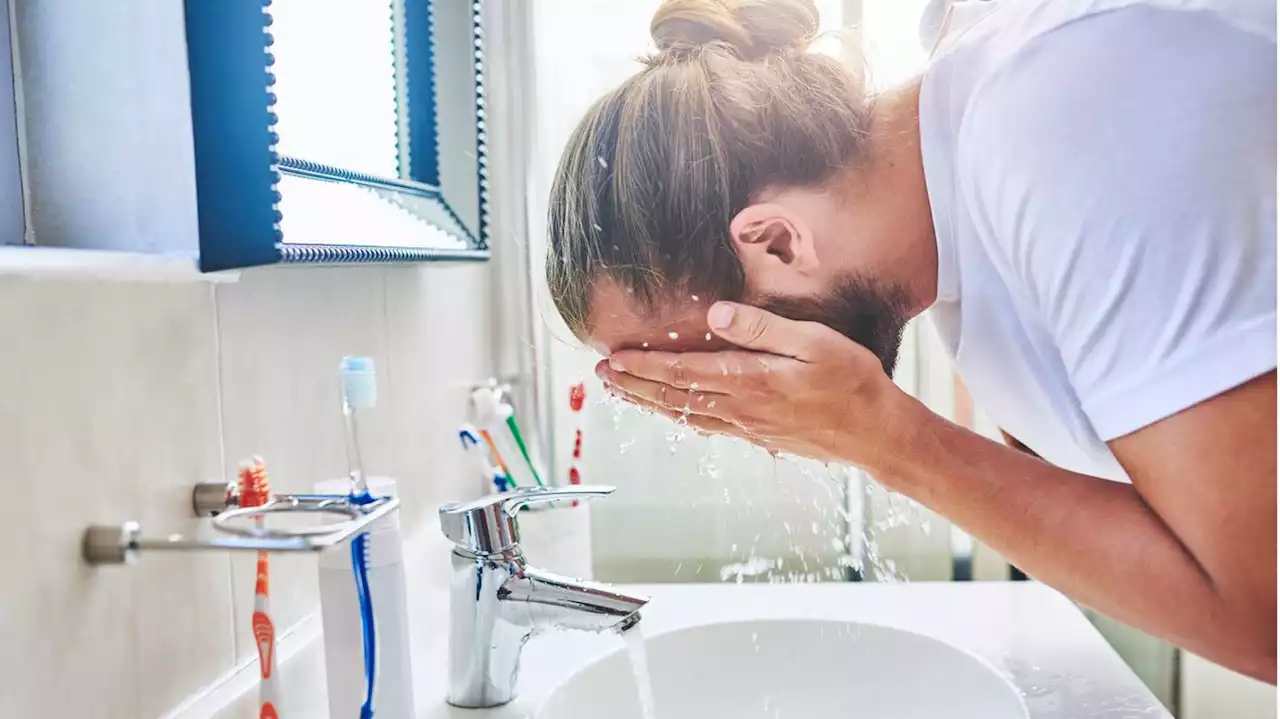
{"x":1102,"y":176}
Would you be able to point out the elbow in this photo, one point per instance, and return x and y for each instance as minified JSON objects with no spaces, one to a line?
{"x":1262,"y":660}
{"x":1254,"y":652}
{"x":1260,"y":665}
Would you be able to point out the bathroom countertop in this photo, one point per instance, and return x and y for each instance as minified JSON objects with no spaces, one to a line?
{"x":1036,"y":637}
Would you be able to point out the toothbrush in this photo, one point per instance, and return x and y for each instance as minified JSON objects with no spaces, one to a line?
{"x":360,"y":392}
{"x":497,"y":419}
{"x":497,"y":458}
{"x":475,"y":448}
{"x":255,"y":491}
{"x":577,"y":399}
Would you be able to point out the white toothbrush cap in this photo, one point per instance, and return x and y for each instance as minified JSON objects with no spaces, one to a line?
{"x":359,"y":382}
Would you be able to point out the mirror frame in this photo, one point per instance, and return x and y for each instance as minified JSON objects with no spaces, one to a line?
{"x":237,"y":167}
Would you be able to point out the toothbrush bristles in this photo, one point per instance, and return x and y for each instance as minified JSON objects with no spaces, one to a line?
{"x":254,"y":485}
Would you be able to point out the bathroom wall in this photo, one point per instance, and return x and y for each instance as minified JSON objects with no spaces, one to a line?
{"x":118,"y":396}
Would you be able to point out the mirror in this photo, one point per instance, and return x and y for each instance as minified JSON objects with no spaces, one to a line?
{"x":351,"y":131}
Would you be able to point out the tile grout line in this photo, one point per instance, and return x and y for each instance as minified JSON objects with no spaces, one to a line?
{"x":222,"y":462}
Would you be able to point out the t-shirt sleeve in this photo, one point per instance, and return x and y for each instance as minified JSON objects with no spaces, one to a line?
{"x":1122,"y":171}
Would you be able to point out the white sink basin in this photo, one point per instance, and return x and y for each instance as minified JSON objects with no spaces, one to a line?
{"x":953,"y":650}
{"x":791,"y":668}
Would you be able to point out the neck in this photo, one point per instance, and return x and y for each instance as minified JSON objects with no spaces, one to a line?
{"x":897,"y":185}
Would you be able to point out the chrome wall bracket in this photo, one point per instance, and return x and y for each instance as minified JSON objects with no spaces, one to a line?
{"x":122,"y":543}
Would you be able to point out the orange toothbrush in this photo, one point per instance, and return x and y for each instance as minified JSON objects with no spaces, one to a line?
{"x":255,"y":491}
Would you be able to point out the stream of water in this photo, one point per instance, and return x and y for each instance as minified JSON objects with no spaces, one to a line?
{"x":640,"y":668}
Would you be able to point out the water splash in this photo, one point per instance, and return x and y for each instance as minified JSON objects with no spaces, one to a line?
{"x":616,"y":411}
{"x":752,"y":567}
{"x":708,"y":463}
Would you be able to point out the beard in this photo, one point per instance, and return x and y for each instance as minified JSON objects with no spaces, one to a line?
{"x":870,"y":315}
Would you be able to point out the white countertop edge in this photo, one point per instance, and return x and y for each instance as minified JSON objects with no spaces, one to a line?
{"x":61,"y":263}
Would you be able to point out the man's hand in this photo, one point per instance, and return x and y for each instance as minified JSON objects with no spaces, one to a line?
{"x":796,"y":387}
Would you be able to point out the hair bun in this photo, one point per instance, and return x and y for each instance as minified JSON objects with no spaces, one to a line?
{"x":754,"y":29}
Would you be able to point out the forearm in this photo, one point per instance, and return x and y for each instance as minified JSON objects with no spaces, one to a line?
{"x":1095,"y":540}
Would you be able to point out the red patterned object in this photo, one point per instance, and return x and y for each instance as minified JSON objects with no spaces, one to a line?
{"x":577,"y":397}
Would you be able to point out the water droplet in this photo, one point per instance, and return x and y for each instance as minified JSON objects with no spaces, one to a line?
{"x":708,"y":337}
{"x":644,"y":345}
{"x":695,"y":297}
{"x":752,"y":567}
{"x":711,"y":404}
{"x":626,"y":445}
{"x":603,"y":164}
{"x":598,"y":228}
{"x":674,"y":335}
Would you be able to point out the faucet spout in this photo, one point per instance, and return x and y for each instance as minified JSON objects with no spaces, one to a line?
{"x":552,"y":600}
{"x":498,"y":603}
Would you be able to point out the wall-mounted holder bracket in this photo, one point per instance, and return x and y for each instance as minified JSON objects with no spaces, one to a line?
{"x":121,"y":543}
{"x":209,"y":499}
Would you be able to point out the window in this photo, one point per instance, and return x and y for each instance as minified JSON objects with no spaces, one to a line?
{"x":12,"y":222}
{"x":729,"y":511}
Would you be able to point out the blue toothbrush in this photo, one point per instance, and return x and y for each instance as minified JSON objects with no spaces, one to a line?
{"x":360,"y":391}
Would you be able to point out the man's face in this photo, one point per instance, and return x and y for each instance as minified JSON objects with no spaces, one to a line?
{"x":871,"y":315}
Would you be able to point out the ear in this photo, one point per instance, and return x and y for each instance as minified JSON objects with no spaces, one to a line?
{"x":772,"y":237}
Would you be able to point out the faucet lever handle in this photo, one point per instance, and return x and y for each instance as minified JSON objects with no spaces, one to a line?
{"x":488,"y":525}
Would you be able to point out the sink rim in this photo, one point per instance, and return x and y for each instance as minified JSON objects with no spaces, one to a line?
{"x":551,"y":692}
{"x":1027,"y":623}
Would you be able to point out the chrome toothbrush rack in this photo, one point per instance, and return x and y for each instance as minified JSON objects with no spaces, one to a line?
{"x":122,"y":543}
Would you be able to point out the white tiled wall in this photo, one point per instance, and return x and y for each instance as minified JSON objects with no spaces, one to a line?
{"x":116,"y":397}
{"x":1212,"y":692}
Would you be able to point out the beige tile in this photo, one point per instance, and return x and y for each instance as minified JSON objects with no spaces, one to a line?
{"x":439,"y":349}
{"x":110,"y":413}
{"x":283,"y":332}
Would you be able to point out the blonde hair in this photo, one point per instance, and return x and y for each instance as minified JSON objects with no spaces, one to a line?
{"x":731,"y":103}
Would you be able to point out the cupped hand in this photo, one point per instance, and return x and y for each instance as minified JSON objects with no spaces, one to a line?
{"x":796,"y":387}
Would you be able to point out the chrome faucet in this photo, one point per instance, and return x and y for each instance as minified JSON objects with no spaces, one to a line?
{"x":497,"y":601}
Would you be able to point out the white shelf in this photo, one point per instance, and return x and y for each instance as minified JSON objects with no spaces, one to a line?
{"x":68,"y":264}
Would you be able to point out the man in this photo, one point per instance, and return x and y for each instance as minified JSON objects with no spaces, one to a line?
{"x":1082,"y":195}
